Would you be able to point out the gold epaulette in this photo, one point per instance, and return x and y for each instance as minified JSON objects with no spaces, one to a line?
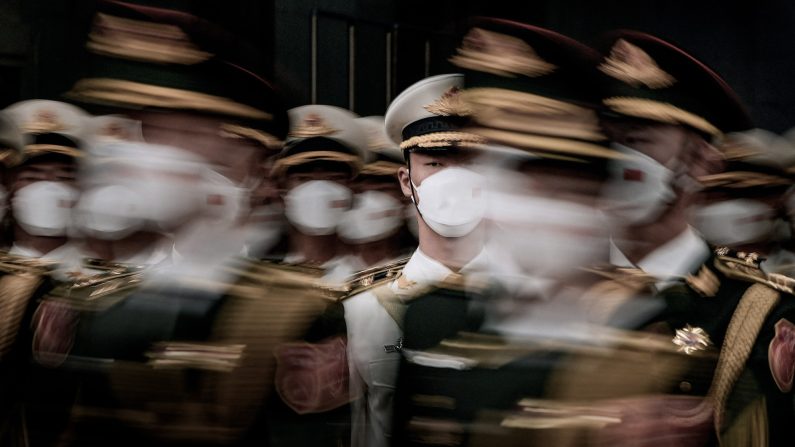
{"x":372,"y":277}
{"x":745,"y":267}
{"x":99,"y":290}
{"x":626,"y":276}
{"x":21,"y":264}
{"x":265,"y":273}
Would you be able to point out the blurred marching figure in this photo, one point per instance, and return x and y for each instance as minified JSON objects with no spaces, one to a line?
{"x":374,"y":227}
{"x":22,"y":280}
{"x":440,"y":179}
{"x":664,"y":108}
{"x":747,"y":206}
{"x":184,"y":354}
{"x":114,"y":216}
{"x":730,"y":317}
{"x":322,"y":155}
{"x":42,"y":190}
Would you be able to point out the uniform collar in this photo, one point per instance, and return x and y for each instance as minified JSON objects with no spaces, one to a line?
{"x":671,"y":261}
{"x":424,"y":270}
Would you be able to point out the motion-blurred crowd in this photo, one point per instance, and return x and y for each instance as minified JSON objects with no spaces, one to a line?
{"x":561,"y":245}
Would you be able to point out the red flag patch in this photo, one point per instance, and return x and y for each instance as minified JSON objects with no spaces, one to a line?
{"x":781,"y":355}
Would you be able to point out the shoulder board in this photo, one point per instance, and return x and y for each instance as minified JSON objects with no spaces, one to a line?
{"x":627,"y":276}
{"x":372,"y":277}
{"x":745,"y":267}
{"x":21,"y":264}
{"x":264,"y":273}
{"x":94,"y":291}
{"x":739,"y":265}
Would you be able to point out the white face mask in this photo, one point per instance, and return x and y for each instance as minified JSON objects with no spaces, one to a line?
{"x":639,"y":188}
{"x":109,"y":212}
{"x":548,"y":238}
{"x":375,"y":215}
{"x":226,"y":201}
{"x":44,"y":208}
{"x":735,"y":222}
{"x":317,"y":206}
{"x":452,"y":201}
{"x":264,"y":228}
{"x":169,"y":200}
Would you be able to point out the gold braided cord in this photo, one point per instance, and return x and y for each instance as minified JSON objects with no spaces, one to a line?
{"x":660,"y":111}
{"x":742,"y":179}
{"x":544,"y":144}
{"x":747,"y":320}
{"x":529,"y":113}
{"x":281,"y":165}
{"x":117,"y":91}
{"x":381,"y":167}
{"x":15,"y":293}
{"x":443,"y":140}
{"x":33,"y":150}
{"x":236,"y":131}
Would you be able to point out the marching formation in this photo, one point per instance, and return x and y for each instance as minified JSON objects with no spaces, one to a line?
{"x":559,"y":244}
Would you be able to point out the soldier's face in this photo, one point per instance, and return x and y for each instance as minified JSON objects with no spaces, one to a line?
{"x":320,"y":170}
{"x":236,"y":158}
{"x":50,"y":170}
{"x":388,"y":185}
{"x":426,"y":163}
{"x":662,"y":142}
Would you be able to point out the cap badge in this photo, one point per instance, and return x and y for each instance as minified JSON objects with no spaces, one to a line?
{"x":630,"y":64}
{"x":691,"y":339}
{"x":44,"y":121}
{"x":500,"y":54}
{"x":449,"y":104}
{"x":313,"y":125}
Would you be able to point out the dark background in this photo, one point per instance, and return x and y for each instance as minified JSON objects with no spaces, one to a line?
{"x":359,"y":54}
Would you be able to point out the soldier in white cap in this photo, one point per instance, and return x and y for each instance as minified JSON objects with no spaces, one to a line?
{"x":322,"y":155}
{"x":374,"y":228}
{"x":425,"y":121}
{"x":42,"y":189}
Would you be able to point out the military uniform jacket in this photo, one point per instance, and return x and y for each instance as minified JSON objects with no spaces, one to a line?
{"x":733,"y":307}
{"x":374,"y":340}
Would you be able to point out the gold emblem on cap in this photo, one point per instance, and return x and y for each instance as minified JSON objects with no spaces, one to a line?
{"x":691,"y":339}
{"x":449,"y":104}
{"x":500,"y":54}
{"x":44,"y":121}
{"x":630,"y":64}
{"x":313,"y":125}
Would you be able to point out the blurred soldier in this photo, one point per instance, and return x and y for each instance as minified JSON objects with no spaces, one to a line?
{"x":374,"y":227}
{"x":184,"y":354}
{"x":22,"y":280}
{"x":112,"y":216}
{"x":475,"y":357}
{"x":729,"y":307}
{"x":424,"y":120}
{"x":664,"y":108}
{"x":746,"y":206}
{"x":322,"y":156}
{"x":42,"y":190}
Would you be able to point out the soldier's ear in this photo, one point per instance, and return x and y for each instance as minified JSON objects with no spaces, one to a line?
{"x":405,"y":181}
